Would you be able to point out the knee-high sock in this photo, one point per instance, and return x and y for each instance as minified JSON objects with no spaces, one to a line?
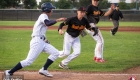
{"x":47,"y":64}
{"x":17,"y":67}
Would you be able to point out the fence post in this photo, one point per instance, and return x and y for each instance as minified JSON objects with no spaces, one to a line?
{"x":17,"y":15}
{"x":31,"y":15}
{"x":2,"y":15}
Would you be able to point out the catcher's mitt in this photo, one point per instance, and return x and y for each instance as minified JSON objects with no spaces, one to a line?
{"x":95,"y":30}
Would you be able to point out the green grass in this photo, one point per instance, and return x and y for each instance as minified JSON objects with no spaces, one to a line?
{"x":102,"y":23}
{"x":121,"y":51}
{"x":17,"y":23}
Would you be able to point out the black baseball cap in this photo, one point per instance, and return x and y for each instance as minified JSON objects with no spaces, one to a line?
{"x":117,"y":5}
{"x":81,"y":9}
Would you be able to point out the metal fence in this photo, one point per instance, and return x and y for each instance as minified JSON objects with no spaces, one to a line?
{"x":32,"y":15}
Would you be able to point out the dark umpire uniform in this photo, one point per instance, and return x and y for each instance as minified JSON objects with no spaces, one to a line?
{"x":116,"y":14}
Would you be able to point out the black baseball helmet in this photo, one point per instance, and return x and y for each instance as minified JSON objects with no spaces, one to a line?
{"x":46,"y":7}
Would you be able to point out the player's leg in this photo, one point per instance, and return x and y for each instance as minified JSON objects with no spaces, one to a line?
{"x":76,"y":51}
{"x":53,"y":56}
{"x":116,"y":24}
{"x":99,"y":47}
{"x":98,"y":54}
{"x":66,"y":46}
{"x":36,"y":46}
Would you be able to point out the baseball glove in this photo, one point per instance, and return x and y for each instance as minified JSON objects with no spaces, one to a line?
{"x":95,"y":30}
{"x":83,"y":33}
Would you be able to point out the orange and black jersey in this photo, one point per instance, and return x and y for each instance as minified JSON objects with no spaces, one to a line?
{"x":75,"y":26}
{"x":93,"y":14}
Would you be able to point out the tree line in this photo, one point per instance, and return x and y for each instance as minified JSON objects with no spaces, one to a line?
{"x":61,"y":4}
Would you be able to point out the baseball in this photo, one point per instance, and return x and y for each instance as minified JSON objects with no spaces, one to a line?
{"x":132,"y":78}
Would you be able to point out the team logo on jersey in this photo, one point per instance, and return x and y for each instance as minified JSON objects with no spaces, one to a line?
{"x":78,"y":27}
{"x":96,"y":13}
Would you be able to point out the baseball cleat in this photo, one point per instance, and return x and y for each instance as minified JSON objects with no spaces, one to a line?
{"x":61,"y":65}
{"x":99,"y":60}
{"x":94,"y":58}
{"x":112,"y":34}
{"x":7,"y":75}
{"x":45,"y":73}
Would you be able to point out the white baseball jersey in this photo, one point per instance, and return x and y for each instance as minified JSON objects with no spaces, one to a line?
{"x":37,"y":44}
{"x":40,"y":27}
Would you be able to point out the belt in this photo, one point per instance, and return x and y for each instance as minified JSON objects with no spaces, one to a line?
{"x":43,"y":38}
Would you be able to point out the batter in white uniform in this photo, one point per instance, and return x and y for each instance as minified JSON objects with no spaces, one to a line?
{"x":38,"y":44}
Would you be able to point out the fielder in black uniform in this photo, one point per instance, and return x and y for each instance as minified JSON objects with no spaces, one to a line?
{"x":114,"y":17}
{"x":93,"y":15}
{"x":71,"y":38}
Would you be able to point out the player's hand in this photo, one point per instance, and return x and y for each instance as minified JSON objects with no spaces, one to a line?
{"x":61,"y":19}
{"x":110,"y":19}
{"x":61,"y":31}
{"x":122,"y":18}
{"x":47,"y":41}
{"x":112,"y":6}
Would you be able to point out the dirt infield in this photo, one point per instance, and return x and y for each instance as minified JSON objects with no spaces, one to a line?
{"x":70,"y":75}
{"x":128,"y":29}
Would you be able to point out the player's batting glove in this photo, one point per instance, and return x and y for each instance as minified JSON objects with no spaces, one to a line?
{"x":47,"y":41}
{"x":95,"y":30}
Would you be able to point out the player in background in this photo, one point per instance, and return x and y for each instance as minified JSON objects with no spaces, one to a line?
{"x":71,"y":37}
{"x":114,"y":17}
{"x":93,"y":14}
{"x":38,"y":44}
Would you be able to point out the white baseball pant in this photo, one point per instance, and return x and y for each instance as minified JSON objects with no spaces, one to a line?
{"x":38,"y":45}
{"x":69,"y":42}
{"x":99,"y":42}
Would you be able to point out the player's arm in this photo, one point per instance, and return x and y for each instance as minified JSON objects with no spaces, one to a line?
{"x":66,"y":22}
{"x":52,"y":22}
{"x":110,"y":10}
{"x":49,"y":22}
{"x":121,"y":15}
{"x":60,"y":28}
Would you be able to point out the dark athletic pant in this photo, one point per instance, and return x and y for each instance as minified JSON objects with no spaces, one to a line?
{"x":116,"y":25}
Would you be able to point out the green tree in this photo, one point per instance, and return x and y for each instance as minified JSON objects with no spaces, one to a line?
{"x":103,"y":4}
{"x":63,"y":4}
{"x":123,"y":5}
{"x":84,"y":3}
{"x":132,"y":5}
{"x":8,"y":3}
{"x":30,"y":4}
{"x":43,"y":1}
{"x":74,"y":3}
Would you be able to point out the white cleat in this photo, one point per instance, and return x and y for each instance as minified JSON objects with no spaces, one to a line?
{"x":45,"y":73}
{"x":7,"y":75}
{"x":61,"y":65}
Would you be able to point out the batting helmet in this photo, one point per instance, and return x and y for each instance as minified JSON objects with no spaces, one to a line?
{"x":46,"y":7}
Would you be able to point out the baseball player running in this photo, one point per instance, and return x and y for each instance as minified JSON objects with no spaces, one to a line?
{"x":93,"y":13}
{"x":38,"y":44}
{"x":71,"y":38}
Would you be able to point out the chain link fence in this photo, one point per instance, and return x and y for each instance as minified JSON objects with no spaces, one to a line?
{"x":32,"y":15}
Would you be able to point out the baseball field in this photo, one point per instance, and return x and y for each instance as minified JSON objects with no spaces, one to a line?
{"x":121,"y":52}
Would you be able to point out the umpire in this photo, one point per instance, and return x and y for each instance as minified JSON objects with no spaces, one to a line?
{"x":114,"y":17}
